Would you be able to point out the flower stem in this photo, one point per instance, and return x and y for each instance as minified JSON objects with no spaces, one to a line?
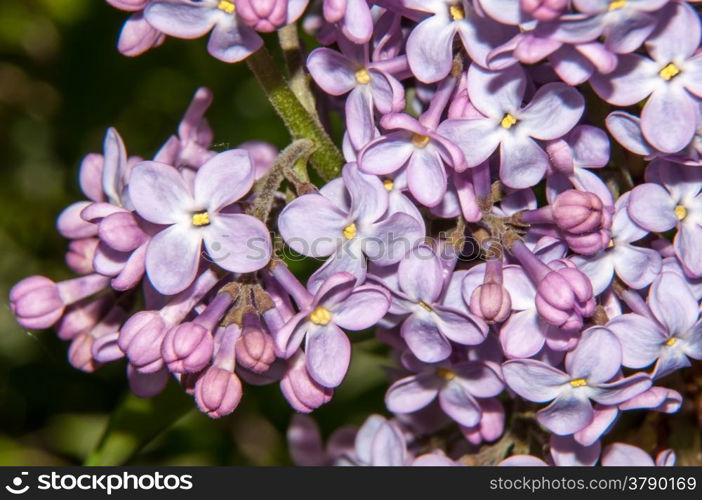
{"x":326,"y":158}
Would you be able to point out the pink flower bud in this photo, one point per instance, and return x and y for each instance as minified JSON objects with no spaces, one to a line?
{"x":334,"y":10}
{"x":579,"y":212}
{"x":147,"y":385}
{"x":492,"y":302}
{"x":588,"y":243}
{"x":82,"y":317}
{"x":121,"y":231}
{"x":303,"y":393}
{"x":218,"y":392}
{"x":140,"y":339}
{"x":564,"y":296}
{"x":106,"y":348}
{"x":544,"y":10}
{"x":263,"y":15}
{"x":255,"y":350}
{"x":187,"y":347}
{"x":80,"y":353}
{"x":36,"y":302}
{"x":80,"y":255}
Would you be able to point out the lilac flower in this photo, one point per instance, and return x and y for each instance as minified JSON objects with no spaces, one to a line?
{"x":456,"y":385}
{"x":430,"y":44}
{"x":671,"y":199}
{"x":429,"y":326}
{"x":336,"y":304}
{"x":236,"y":242}
{"x":636,"y":266}
{"x":369,"y":86}
{"x":137,"y":35}
{"x":626,"y":455}
{"x":353,"y":17}
{"x":669,"y":334}
{"x":625,"y":25}
{"x":671,"y":77}
{"x":348,"y":231}
{"x":511,"y":127}
{"x":379,"y":443}
{"x":589,"y":369}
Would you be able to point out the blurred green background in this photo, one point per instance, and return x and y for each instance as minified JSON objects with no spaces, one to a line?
{"x":62,"y":84}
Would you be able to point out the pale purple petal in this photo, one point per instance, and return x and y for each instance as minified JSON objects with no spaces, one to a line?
{"x":328,"y":352}
{"x":534,"y":380}
{"x":238,"y":242}
{"x":172,"y":258}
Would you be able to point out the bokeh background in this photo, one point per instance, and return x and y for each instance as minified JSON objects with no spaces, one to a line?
{"x":62,"y":84}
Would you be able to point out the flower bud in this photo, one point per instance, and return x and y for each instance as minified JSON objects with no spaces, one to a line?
{"x":187,"y":348}
{"x":492,"y":302}
{"x":588,"y":243}
{"x":218,"y":392}
{"x":80,"y":255}
{"x":263,"y":15}
{"x":140,"y":339}
{"x":334,"y":10}
{"x":106,"y":348}
{"x":121,"y":231}
{"x":147,"y":385}
{"x":82,"y":317}
{"x":71,"y":224}
{"x":579,"y":212}
{"x":544,"y":10}
{"x":255,"y":350}
{"x":564,"y":296}
{"x":36,"y":302}
{"x":80,"y":353}
{"x":303,"y":393}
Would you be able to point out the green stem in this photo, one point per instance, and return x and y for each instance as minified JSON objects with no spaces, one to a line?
{"x":326,"y":158}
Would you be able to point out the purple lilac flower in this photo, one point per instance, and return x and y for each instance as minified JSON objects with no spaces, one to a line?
{"x":137,"y":35}
{"x":669,"y":333}
{"x":193,"y":214}
{"x":512,"y":127}
{"x":590,"y":367}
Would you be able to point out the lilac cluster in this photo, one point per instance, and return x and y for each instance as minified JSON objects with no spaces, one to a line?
{"x":514,"y":259}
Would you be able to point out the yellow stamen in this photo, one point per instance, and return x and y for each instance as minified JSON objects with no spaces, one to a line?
{"x":201,"y":219}
{"x":425,"y":306}
{"x":445,"y":374}
{"x":457,"y":12}
{"x":420,"y":141}
{"x":226,"y":6}
{"x":669,"y":72}
{"x":363,"y":76}
{"x":680,"y":212}
{"x":508,"y":121}
{"x":671,"y":341}
{"x":320,"y":316}
{"x":350,"y":231}
{"x":616,"y":4}
{"x":578,"y":382}
{"x":611,"y":244}
{"x":389,"y":184}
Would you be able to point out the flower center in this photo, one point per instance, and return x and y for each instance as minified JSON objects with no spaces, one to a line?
{"x":226,"y":6}
{"x":389,"y":184}
{"x":508,"y":121}
{"x":420,"y":141}
{"x":457,"y":12}
{"x":669,"y":72}
{"x":363,"y":76}
{"x":611,"y":244}
{"x":201,"y":219}
{"x":680,"y":212}
{"x":671,"y":341}
{"x":616,"y":4}
{"x":425,"y":306}
{"x":350,"y":231}
{"x":578,"y":382}
{"x":445,"y":374}
{"x":320,"y":316}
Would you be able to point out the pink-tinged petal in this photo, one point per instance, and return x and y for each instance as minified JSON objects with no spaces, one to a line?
{"x":669,"y":118}
{"x":656,"y":398}
{"x":224,"y":179}
{"x":692,"y":76}
{"x":388,"y":93}
{"x":495,"y":93}
{"x":332,"y":71}
{"x":364,"y":438}
{"x":114,"y":165}
{"x":636,"y":266}
{"x":363,"y":308}
{"x":633,"y":80}
{"x":604,"y":418}
{"x":172,"y":258}
{"x":598,"y":55}
{"x":673,"y":303}
{"x":328,"y":352}
{"x":72,"y":226}
{"x":138,"y":36}
{"x":433,"y":460}
{"x":477,"y":138}
{"x":159,"y":193}
{"x":459,"y":327}
{"x":458,"y":404}
{"x":577,"y":28}
{"x":622,"y":390}
{"x":430,"y":48}
{"x":233,"y":42}
{"x":626,"y":129}
{"x":358,"y":22}
{"x":568,"y":414}
{"x":651,"y":207}
{"x":571,"y":66}
{"x":522,"y":461}
{"x":237,"y":242}
{"x":640,"y":338}
{"x":537,"y":117}
{"x":692,"y":341}
{"x":597,"y":357}
{"x":180,"y":20}
{"x":386,"y":154}
{"x":317,"y":239}
{"x":679,"y":37}
{"x":625,"y":455}
{"x":388,"y":241}
{"x":91,"y":177}
{"x":478,"y":379}
{"x":426,"y":177}
{"x":420,"y":275}
{"x":534,"y":380}
{"x":424,"y":339}
{"x":413,"y":393}
{"x":522,"y":335}
{"x":360,"y":122}
{"x":522,"y":162}
{"x":599,"y":269}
